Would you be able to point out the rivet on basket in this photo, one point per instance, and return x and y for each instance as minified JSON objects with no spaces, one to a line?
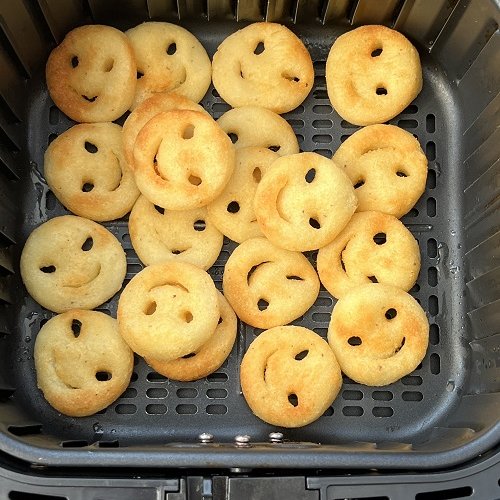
{"x":275,"y":437}
{"x":205,"y":437}
{"x":242,"y":441}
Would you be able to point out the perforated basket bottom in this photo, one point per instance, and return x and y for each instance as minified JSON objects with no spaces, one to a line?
{"x":156,"y":410}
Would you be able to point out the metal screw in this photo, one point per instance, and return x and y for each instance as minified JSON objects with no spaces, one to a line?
{"x":242,"y":441}
{"x":276,"y":437}
{"x":205,"y":437}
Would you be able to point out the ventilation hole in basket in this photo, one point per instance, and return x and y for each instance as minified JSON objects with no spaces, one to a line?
{"x":188,"y":132}
{"x":194,"y":180}
{"x":216,"y":409}
{"x":296,"y":124}
{"x":134,"y":377}
{"x":51,"y":138}
{"x":327,"y":153}
{"x":259,"y":48}
{"x":25,"y":430}
{"x":432,"y":276}
{"x":322,"y":124}
{"x":359,"y":184}
{"x":320,"y":94}
{"x":412,"y":396}
{"x":76,"y":327}
{"x":187,"y":392}
{"x":343,"y":138}
{"x":217,"y":377}
{"x":381,"y":91}
{"x":139,"y":75}
{"x":391,"y":313}
{"x":190,"y":355}
{"x":150,"y":308}
{"x":54,"y":115}
{"x":311,"y":174}
{"x":233,"y":207}
{"x":216,"y":393}
{"x":411,"y":380}
{"x":431,"y":179}
{"x":448,"y":494}
{"x":314,"y":223}
{"x":130,"y":393}
{"x":432,"y":248}
{"x":430,"y":123}
{"x":89,"y":99}
{"x":382,"y":395}
{"x":75,"y":443}
{"x":301,"y":355}
{"x":188,"y":316}
{"x":322,"y":139}
{"x":408,"y":124}
{"x":125,"y":409}
{"x":103,"y":376}
{"x":108,"y":444}
{"x":87,"y":187}
{"x":262,"y":304}
{"x":155,"y":377}
{"x":434,"y":334}
{"x":88,"y":244}
{"x":382,"y":411}
{"x":50,"y":200}
{"x":48,"y":269}
{"x":415,"y":288}
{"x":321,"y":331}
{"x":376,"y":52}
{"x":156,"y":393}
{"x":412,"y":213}
{"x":430,"y":151}
{"x":220,"y":107}
{"x":293,"y":399}
{"x":431,"y":207}
{"x":186,"y":409}
{"x":411,"y":110}
{"x":75,"y":61}
{"x":352,"y":411}
{"x":172,"y":49}
{"x":322,"y":109}
{"x":435,"y":364}
{"x":324,"y":301}
{"x":233,"y":137}
{"x":328,"y":412}
{"x":373,"y":279}
{"x":156,"y":409}
{"x":433,"y":305}
{"x":350,"y":395}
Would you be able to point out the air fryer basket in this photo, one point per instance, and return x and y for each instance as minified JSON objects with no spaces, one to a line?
{"x":443,"y":413}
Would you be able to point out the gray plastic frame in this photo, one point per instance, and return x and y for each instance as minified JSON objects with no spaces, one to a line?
{"x":436,"y":417}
